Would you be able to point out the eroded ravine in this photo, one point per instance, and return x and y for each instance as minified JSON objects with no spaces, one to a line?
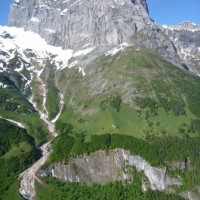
{"x":14,"y":122}
{"x":27,"y":185}
{"x":28,"y":177}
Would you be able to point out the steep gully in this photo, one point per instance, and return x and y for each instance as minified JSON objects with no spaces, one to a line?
{"x":14,"y":122}
{"x":28,"y":177}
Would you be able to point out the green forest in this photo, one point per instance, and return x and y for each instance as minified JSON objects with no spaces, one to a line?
{"x":14,"y":105}
{"x":158,"y":151}
{"x":17,"y":153}
{"x":55,"y":189}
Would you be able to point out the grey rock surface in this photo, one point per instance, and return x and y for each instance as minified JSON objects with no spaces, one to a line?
{"x":153,"y":37}
{"x":102,"y":166}
{"x":190,"y":196}
{"x":77,"y":23}
{"x":186,"y":38}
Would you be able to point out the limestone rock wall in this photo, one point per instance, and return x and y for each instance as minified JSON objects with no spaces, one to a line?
{"x":186,"y":38}
{"x":77,"y":23}
{"x":102,"y":166}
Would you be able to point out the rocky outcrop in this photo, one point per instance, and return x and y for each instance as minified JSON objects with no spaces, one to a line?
{"x":74,"y":24}
{"x":102,"y":166}
{"x":153,"y":37}
{"x":186,"y":37}
{"x":190,"y":195}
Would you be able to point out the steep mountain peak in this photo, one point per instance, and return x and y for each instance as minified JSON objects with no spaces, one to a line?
{"x":74,"y":24}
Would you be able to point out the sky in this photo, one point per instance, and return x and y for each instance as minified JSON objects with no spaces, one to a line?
{"x":169,"y":12}
{"x":4,"y":11}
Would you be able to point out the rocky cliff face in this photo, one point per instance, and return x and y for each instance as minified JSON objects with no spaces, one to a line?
{"x":153,"y":37}
{"x":74,"y":24}
{"x":186,"y":37}
{"x":101,"y":167}
{"x":81,"y":24}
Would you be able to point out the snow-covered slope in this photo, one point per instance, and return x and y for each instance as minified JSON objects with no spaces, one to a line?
{"x":31,"y":47}
{"x":23,"y":58}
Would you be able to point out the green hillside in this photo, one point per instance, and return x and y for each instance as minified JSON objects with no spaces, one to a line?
{"x":144,"y":95}
{"x":55,"y":189}
{"x":17,"y":152}
{"x":133,"y":100}
{"x":15,"y":106}
{"x":148,"y":106}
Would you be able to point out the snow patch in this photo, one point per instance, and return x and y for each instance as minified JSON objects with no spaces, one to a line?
{"x":119,"y":2}
{"x":43,"y":6}
{"x":4,"y":58}
{"x":64,"y":11}
{"x":62,"y":57}
{"x":3,"y":86}
{"x":35,"y":19}
{"x":19,"y":69}
{"x":115,"y":50}
{"x":50,"y":31}
{"x":83,"y":52}
{"x":73,"y":64}
{"x":15,"y":122}
{"x":61,"y":109}
{"x":86,"y":45}
{"x":24,"y":41}
{"x":81,"y":70}
{"x":75,"y":3}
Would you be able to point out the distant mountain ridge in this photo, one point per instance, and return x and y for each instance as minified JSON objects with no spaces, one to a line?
{"x":186,"y":37}
{"x":184,"y":26}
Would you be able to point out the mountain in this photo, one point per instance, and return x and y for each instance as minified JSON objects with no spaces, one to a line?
{"x":186,"y":39}
{"x":83,"y":24}
{"x":79,"y":23}
{"x":107,"y":97}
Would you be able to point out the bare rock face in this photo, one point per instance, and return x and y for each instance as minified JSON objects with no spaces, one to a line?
{"x":186,"y":37}
{"x":154,"y":38}
{"x":102,"y":166}
{"x":78,"y":23}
